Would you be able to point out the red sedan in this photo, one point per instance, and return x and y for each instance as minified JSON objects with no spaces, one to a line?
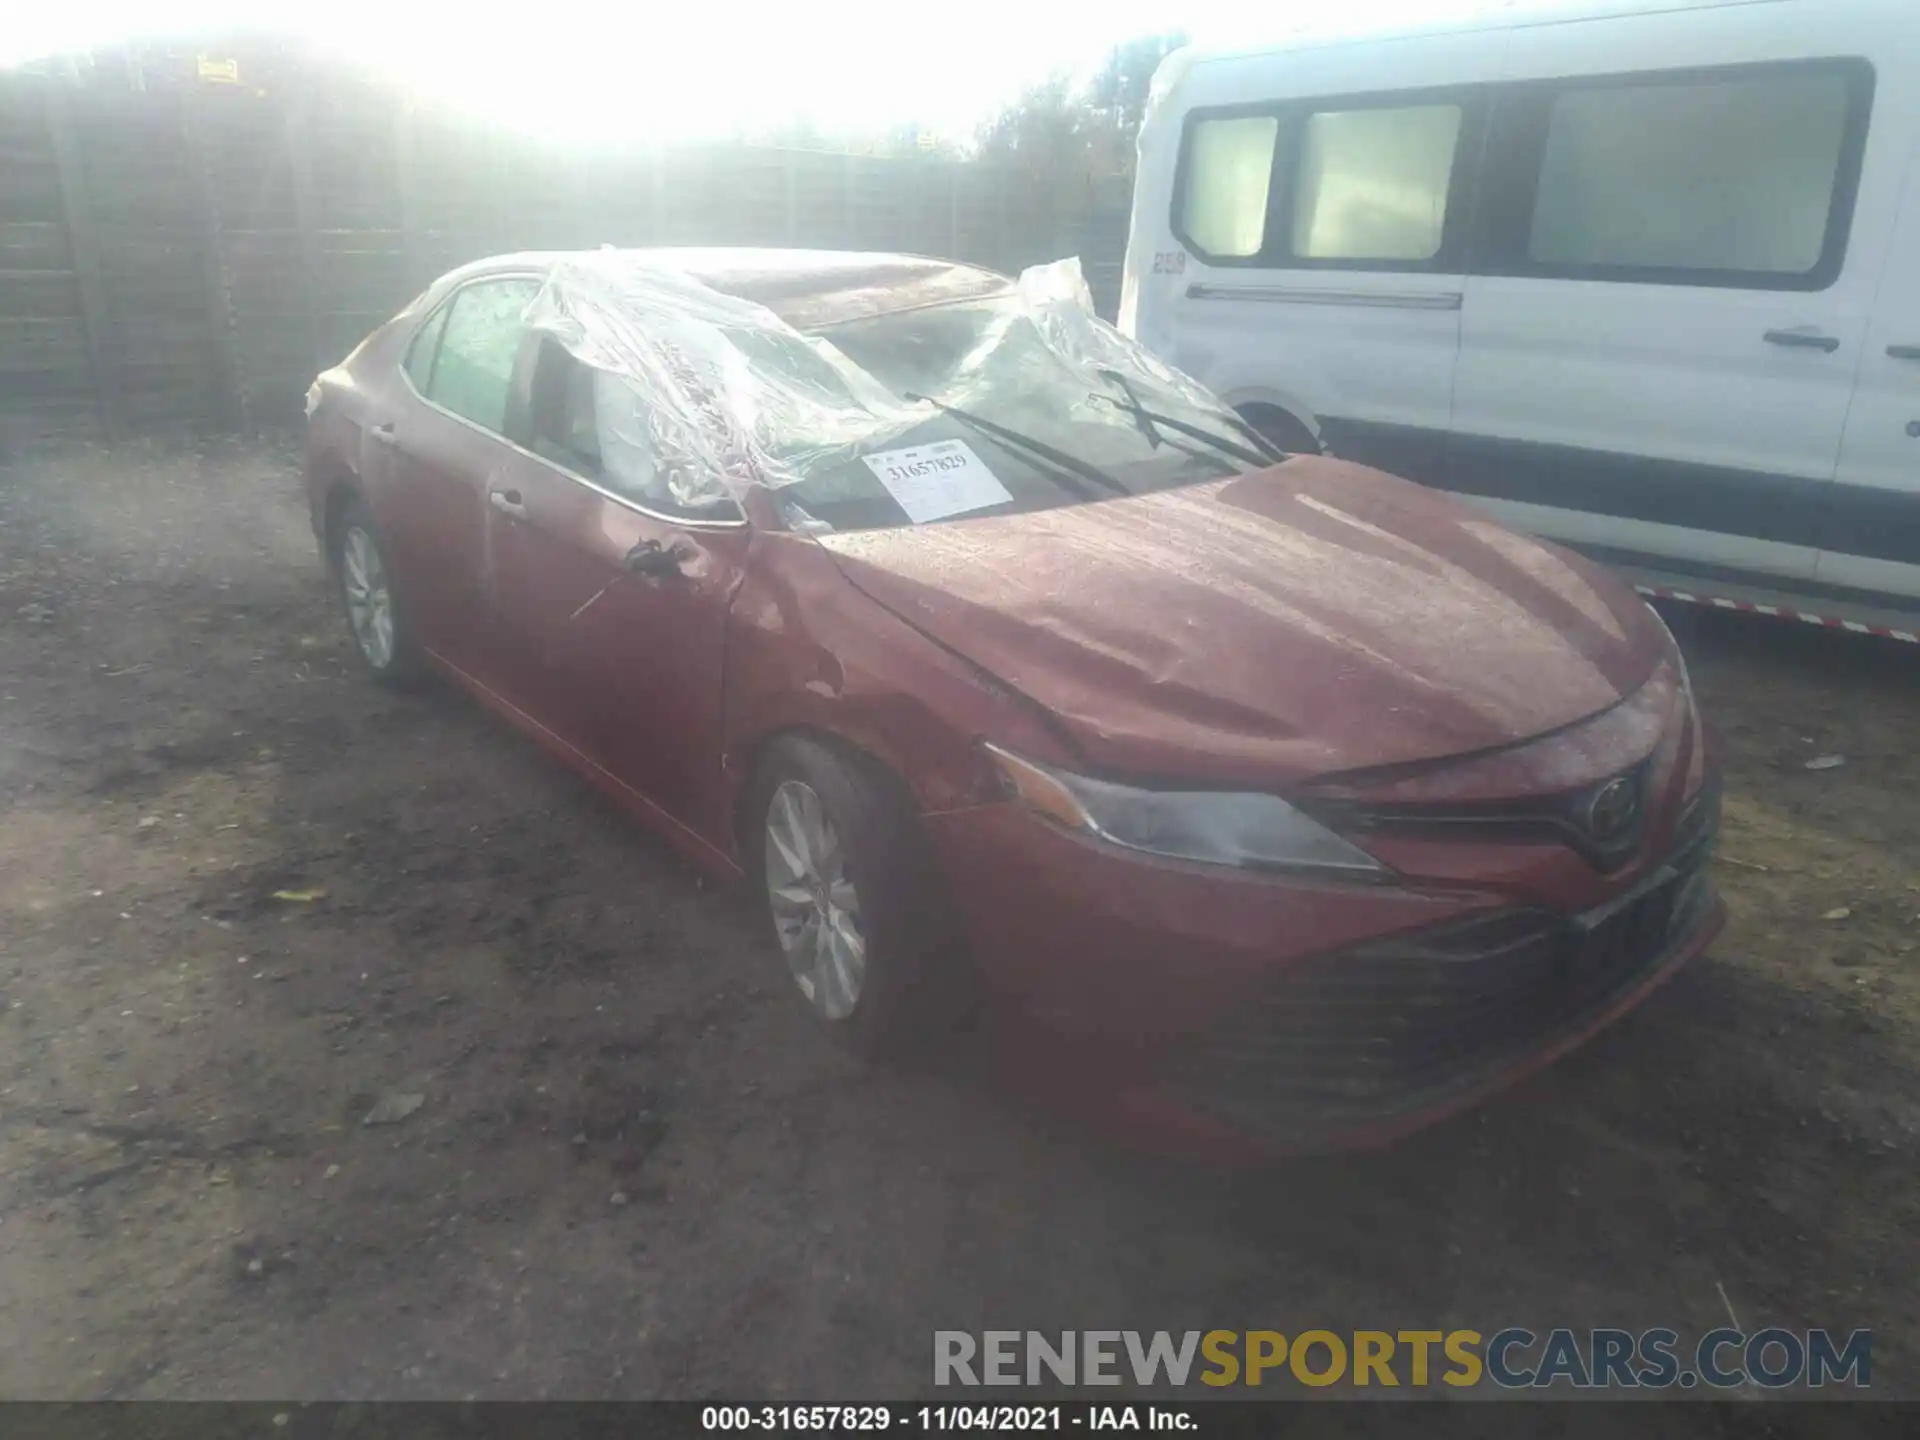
{"x":1292,"y":804}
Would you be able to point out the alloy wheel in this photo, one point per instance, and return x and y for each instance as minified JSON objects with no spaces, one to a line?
{"x":363,"y":579}
{"x":816,"y":910}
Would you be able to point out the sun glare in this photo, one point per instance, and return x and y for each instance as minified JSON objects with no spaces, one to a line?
{"x":599,"y":72}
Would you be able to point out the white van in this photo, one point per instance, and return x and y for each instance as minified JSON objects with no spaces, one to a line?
{"x":1644,"y":278}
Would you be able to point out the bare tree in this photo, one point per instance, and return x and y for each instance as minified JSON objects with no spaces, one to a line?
{"x":1117,"y":94}
{"x":1067,"y":137}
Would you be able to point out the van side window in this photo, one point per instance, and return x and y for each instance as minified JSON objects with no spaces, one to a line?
{"x":1363,"y":184}
{"x":1229,"y":173}
{"x":1741,"y":178}
{"x":1373,"y":184}
{"x":1724,"y":175}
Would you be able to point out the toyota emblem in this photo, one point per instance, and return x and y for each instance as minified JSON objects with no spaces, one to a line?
{"x":1613,"y":810}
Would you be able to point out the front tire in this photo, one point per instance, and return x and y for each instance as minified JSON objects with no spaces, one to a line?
{"x":852,"y":898}
{"x":365,"y":583}
{"x":1282,"y":429}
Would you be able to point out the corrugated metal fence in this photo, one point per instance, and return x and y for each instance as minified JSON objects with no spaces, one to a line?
{"x":173,"y":250}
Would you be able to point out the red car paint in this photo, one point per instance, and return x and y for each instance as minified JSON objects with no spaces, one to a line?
{"x":1301,"y":621}
{"x":1316,"y":629}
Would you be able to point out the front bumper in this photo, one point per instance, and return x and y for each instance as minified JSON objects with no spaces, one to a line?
{"x":1372,"y":1042}
{"x":1231,"y":1012}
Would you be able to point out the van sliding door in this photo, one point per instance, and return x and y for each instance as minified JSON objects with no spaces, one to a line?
{"x":1324,"y":243}
{"x":1871,"y":531}
{"x":1659,"y":339}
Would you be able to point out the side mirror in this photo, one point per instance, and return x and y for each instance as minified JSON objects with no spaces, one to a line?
{"x":651,"y":560}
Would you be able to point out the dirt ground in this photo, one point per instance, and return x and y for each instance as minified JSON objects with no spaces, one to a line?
{"x":634,"y":1171}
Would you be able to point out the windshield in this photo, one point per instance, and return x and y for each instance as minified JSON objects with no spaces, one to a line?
{"x":1000,"y":385}
{"x":1019,"y":400}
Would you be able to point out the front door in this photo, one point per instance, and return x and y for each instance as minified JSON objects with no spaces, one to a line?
{"x":1872,"y":530}
{"x":612,"y":611}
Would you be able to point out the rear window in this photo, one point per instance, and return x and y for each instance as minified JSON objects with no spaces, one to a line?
{"x":426,"y":344}
{"x":479,"y":342}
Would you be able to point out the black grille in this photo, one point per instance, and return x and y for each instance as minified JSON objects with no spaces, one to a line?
{"x":1557,"y":818}
{"x":1365,"y":1033}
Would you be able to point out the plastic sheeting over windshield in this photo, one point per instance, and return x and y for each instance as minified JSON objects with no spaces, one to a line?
{"x":729,"y":395}
{"x":1061,"y":307}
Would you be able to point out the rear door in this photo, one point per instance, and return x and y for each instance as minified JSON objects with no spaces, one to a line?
{"x":1323,"y":263}
{"x":441,"y":444}
{"x":1673,"y":271}
{"x":1872,"y":531}
{"x":611,"y":598}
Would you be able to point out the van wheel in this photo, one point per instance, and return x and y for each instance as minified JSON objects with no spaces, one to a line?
{"x":1290,"y":434}
{"x":850,"y":892}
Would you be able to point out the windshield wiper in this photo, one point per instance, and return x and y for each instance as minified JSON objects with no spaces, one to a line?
{"x":1140,"y":415}
{"x":1059,"y":459}
{"x":1264,"y":453}
{"x":1261,"y":443}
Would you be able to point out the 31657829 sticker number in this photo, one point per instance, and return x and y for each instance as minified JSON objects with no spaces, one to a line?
{"x":931,"y":482}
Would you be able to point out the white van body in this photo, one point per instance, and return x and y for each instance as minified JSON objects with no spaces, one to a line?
{"x":1640,"y":277}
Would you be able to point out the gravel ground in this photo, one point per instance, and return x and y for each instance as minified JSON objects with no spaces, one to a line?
{"x":619,"y":1164}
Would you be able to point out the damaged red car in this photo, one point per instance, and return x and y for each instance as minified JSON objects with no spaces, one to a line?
{"x":1289,"y":804}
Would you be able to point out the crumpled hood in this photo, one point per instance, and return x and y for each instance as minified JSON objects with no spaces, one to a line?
{"x":1311,"y":618}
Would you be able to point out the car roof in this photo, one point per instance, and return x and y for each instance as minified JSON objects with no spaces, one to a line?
{"x":1462,"y":17}
{"x":808,"y":289}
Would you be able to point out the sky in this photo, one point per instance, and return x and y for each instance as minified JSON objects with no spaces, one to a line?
{"x":580,"y":69}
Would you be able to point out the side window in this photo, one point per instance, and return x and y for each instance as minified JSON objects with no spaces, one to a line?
{"x":560,"y":425}
{"x":597,"y":425}
{"x":1362,"y":186}
{"x":426,"y":344}
{"x":478,"y":343}
{"x":1373,"y":184}
{"x":1229,"y":171}
{"x":1742,"y":177}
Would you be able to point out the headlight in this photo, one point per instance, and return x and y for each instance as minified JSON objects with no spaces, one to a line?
{"x":1673,"y":648}
{"x":1697,"y":760}
{"x":1214,"y":827}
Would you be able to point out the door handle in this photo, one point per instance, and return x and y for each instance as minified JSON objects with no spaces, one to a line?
{"x":507,"y":502}
{"x":383,"y":432}
{"x":1904,"y":352}
{"x":1803,"y":340}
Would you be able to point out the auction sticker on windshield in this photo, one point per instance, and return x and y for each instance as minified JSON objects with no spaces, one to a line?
{"x":932,"y":482}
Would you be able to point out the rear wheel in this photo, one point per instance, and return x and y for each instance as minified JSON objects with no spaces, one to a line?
{"x":366,"y":595}
{"x":852,"y":898}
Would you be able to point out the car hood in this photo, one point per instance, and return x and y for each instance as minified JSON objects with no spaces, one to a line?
{"x":1303,"y":620}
